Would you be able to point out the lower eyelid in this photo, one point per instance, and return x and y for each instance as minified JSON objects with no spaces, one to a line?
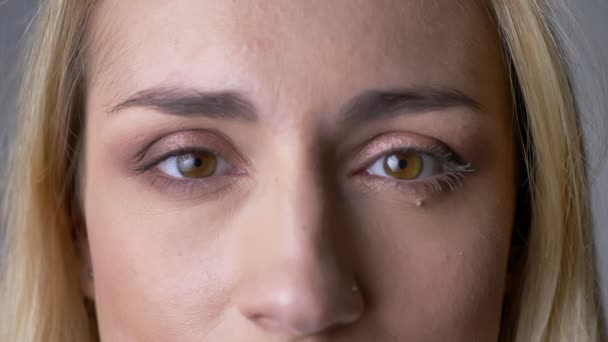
{"x":188,"y":189}
{"x":418,"y":189}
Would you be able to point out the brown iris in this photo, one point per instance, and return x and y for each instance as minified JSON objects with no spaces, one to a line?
{"x":197,"y":164}
{"x":403,"y":165}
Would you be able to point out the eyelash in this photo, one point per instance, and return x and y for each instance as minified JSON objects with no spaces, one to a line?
{"x":185,"y":187}
{"x":450,"y":178}
{"x":175,"y":153}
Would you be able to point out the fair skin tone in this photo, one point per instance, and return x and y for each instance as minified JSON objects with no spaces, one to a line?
{"x":247,"y":164}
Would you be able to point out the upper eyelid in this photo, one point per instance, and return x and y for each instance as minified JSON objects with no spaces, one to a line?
{"x":187,"y":150}
{"x":230,"y":153}
{"x":443,"y":154}
{"x":175,"y":153}
{"x":441,"y":159}
{"x":393,"y":141}
{"x":195,"y":140}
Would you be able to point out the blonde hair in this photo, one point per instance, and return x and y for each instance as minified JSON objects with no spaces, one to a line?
{"x":555,"y":298}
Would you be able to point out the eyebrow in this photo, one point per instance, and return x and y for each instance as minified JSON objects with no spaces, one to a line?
{"x":368,"y":106}
{"x":192,"y":102}
{"x":376,"y":105}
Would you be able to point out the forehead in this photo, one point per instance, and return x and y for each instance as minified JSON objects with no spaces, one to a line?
{"x":299,"y":45}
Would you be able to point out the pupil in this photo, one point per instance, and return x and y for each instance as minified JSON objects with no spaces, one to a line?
{"x":198,"y":162}
{"x":402,"y":164}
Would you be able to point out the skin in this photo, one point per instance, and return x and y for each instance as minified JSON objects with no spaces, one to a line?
{"x":271,"y":250}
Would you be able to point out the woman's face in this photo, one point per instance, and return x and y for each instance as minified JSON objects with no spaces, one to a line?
{"x":297,"y":171}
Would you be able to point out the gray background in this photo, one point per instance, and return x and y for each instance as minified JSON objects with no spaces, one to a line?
{"x":588,"y":56}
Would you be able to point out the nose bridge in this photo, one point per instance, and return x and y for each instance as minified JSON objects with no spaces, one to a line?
{"x":304,"y":201}
{"x":295,"y":281}
{"x":298,"y":190}
{"x":303,"y":212}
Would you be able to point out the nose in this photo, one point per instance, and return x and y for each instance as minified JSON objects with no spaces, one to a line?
{"x":296,"y":278}
{"x":299,"y":306}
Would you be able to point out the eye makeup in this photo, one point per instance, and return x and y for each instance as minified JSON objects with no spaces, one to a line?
{"x":145,"y":163}
{"x":448,"y":177}
{"x":183,"y":142}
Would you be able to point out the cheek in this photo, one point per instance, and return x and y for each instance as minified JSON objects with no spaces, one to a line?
{"x":442,"y":266}
{"x":167,"y":264}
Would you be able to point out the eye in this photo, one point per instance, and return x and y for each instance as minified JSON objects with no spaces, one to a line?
{"x":193,"y":165}
{"x":405,"y":165}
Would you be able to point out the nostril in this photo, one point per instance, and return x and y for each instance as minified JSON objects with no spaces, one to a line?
{"x":302,"y":310}
{"x":266,"y":322}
